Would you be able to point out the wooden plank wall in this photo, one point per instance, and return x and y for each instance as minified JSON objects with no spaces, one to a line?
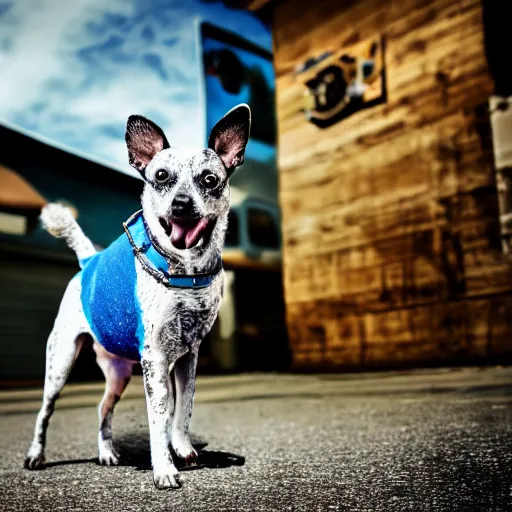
{"x":392,"y":253}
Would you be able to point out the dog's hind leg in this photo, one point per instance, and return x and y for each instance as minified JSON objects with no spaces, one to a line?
{"x":64,"y":344}
{"x":118,"y":372}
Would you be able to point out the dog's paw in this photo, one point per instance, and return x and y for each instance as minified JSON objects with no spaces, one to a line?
{"x":192,"y":458}
{"x":166,"y":478}
{"x":184,"y":450}
{"x":108,"y":458}
{"x":35,"y":462}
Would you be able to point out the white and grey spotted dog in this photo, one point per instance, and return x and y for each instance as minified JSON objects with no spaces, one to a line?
{"x":154,"y":293}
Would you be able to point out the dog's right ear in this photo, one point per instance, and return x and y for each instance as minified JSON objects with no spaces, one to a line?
{"x":144,"y":140}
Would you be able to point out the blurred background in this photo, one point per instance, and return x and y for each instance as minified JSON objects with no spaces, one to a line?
{"x":379,"y":238}
{"x":71,"y":75}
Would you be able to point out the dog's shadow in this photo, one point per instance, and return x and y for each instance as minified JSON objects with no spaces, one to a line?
{"x":134,"y":451}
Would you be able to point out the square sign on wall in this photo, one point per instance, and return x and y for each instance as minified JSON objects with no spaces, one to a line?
{"x":337,"y":84}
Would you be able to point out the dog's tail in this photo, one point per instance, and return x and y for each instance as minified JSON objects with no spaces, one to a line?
{"x":59,"y":221}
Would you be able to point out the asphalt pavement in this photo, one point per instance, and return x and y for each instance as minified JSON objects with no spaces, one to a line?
{"x":426,"y":440}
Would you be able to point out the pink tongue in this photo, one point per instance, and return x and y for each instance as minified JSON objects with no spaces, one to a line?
{"x":189,"y":232}
{"x":177,"y":233}
{"x":193,"y":235}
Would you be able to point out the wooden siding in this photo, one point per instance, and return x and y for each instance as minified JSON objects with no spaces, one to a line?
{"x":392,"y":253}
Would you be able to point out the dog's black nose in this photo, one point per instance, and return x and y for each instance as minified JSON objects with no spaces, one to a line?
{"x":182,"y":205}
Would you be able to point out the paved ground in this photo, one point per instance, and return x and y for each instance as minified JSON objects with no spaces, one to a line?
{"x":430,"y":440}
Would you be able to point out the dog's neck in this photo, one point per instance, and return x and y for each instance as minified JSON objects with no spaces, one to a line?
{"x":206,"y":263}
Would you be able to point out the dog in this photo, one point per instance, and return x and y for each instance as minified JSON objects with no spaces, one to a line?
{"x":153,"y":294}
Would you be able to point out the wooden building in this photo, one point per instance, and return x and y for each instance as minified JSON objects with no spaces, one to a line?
{"x":392,"y":250}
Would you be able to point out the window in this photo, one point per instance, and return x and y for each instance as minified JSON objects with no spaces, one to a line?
{"x":262,"y":228}
{"x":13,"y":224}
{"x":501,"y":123}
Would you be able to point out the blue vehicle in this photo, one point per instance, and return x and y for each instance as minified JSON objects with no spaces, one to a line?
{"x":233,"y":70}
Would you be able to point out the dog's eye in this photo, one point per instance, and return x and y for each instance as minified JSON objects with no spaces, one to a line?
{"x":210,"y":180}
{"x":161,"y":175}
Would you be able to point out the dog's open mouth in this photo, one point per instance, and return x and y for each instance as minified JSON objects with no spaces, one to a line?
{"x":187,"y":233}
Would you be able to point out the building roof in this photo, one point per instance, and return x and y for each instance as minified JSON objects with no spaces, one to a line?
{"x":17,"y":193}
{"x":250,"y":5}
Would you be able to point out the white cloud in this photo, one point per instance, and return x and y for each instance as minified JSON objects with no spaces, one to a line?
{"x":35,"y":49}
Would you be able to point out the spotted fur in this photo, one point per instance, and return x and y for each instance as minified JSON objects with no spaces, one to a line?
{"x":175,"y":320}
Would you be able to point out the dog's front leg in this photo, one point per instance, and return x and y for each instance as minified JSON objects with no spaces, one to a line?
{"x":185,"y":379}
{"x":155,"y":368}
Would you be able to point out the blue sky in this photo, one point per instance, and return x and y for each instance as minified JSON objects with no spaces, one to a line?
{"x":72,"y":71}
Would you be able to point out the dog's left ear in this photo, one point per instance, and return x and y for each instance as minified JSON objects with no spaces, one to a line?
{"x":229,"y":136}
{"x":144,"y":140}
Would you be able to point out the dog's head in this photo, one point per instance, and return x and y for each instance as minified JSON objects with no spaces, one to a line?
{"x":186,"y":195}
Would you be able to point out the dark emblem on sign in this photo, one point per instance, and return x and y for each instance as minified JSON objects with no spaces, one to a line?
{"x":339,"y":84}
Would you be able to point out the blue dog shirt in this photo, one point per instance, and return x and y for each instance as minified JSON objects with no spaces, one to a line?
{"x":109,"y":299}
{"x":109,"y":282}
